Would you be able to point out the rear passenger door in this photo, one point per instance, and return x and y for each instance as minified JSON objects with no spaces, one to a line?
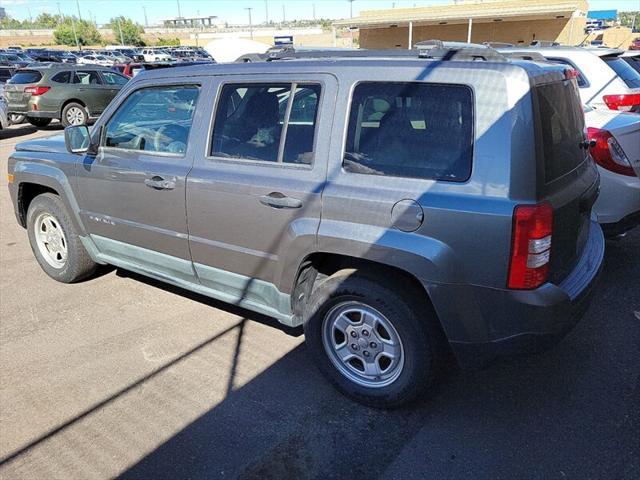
{"x":89,"y":90}
{"x":254,"y":197}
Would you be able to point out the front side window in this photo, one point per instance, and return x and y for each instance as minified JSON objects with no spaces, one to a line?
{"x":264,"y":122}
{"x":415,"y":130}
{"x":112,"y":78}
{"x":156,"y":119}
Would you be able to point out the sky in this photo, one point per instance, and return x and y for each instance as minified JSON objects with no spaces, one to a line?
{"x":231,"y":11}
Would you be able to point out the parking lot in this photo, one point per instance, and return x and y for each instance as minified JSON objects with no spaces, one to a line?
{"x":122,"y":375}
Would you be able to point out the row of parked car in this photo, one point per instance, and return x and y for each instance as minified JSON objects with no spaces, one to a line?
{"x":397,"y":204}
{"x":17,"y":58}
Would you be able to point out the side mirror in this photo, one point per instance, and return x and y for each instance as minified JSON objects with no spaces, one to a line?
{"x":77,"y":138}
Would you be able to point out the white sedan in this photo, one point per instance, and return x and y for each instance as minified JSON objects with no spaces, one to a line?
{"x":96,"y":60}
{"x":615,"y":146}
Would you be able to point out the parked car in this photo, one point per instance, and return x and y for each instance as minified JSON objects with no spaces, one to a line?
{"x":134,"y":55}
{"x":5,"y":74}
{"x":95,"y":60}
{"x":152,"y":55}
{"x":392,"y":207}
{"x":4,"y":115}
{"x":604,"y":78}
{"x":615,"y":147}
{"x":70,"y":93}
{"x":129,"y":69}
{"x":12,"y":60}
{"x":54,"y":56}
{"x":635,"y":44}
{"x":115,"y":56}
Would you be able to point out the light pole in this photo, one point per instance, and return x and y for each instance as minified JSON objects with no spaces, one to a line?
{"x":314,"y":11}
{"x":351,"y":8}
{"x":179,"y":14}
{"x":250,"y":22}
{"x":120,"y":28}
{"x":78,"y":5}
{"x":75,"y":35}
{"x":266,"y":11}
{"x":284,"y":16}
{"x":144,"y":9}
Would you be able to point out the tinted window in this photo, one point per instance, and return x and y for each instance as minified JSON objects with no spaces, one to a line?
{"x":25,"y":76}
{"x":624,"y":71}
{"x":5,"y":74}
{"x":154,"y":119}
{"x":634,"y":62}
{"x":62,"y":77}
{"x":414,"y":130}
{"x":252,"y":119}
{"x":561,"y":125}
{"x":560,"y":61}
{"x":111,"y":78}
{"x":87,"y":77}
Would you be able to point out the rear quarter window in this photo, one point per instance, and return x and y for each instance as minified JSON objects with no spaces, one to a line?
{"x":414,"y":130}
{"x":25,"y":76}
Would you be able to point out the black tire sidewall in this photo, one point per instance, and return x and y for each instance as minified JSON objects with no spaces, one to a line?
{"x":418,"y":366}
{"x":71,"y":105}
{"x":75,"y":268}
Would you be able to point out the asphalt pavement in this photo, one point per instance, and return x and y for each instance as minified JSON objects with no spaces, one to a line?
{"x":124,"y":376}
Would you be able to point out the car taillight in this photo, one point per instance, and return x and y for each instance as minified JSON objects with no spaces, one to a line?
{"x":35,"y":91}
{"x":570,"y":73}
{"x":625,"y":102}
{"x":608,"y":153}
{"x":531,"y":246}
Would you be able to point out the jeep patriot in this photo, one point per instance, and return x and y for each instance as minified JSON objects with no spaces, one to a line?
{"x":394,"y":207}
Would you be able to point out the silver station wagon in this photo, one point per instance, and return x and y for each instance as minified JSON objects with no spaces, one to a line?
{"x":396,"y":207}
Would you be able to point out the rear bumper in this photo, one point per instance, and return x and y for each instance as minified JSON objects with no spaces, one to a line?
{"x":489,"y":323}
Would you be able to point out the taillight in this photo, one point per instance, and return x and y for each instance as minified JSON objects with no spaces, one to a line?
{"x":608,"y":153}
{"x":35,"y":91}
{"x":531,"y":246}
{"x":625,"y":102}
{"x":570,"y":73}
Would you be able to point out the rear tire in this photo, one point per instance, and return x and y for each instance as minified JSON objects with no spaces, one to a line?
{"x":404,"y":331}
{"x":74,"y":114}
{"x":55,"y":241}
{"x":39,"y":122}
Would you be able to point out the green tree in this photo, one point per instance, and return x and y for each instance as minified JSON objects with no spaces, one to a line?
{"x":46,"y":20}
{"x":86,"y":32}
{"x":131,"y":31}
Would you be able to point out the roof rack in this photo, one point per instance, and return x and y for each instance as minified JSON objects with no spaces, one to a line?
{"x":448,"y":51}
{"x":531,"y":56}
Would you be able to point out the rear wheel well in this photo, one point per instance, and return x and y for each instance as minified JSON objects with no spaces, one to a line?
{"x":26,"y":193}
{"x":72,"y":100}
{"x":318,"y":266}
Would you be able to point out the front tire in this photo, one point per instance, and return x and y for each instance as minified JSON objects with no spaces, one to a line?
{"x":377,"y":344}
{"x":74,"y":114}
{"x":39,"y":122}
{"x":55,"y":241}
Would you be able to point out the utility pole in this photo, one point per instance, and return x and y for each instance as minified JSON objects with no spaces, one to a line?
{"x":75,"y":35}
{"x":266,"y":11}
{"x":78,"y":5}
{"x":284,"y":16}
{"x":144,"y":9}
{"x":120,"y":28}
{"x":30,"y":17}
{"x":179,"y":14}
{"x":351,"y":8}
{"x":60,"y":17}
{"x":250,"y":22}
{"x":314,"y":11}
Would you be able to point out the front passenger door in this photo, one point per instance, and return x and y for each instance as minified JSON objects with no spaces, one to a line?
{"x":89,"y":90}
{"x":133,"y":191}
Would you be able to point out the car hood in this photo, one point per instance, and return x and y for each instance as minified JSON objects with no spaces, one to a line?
{"x":52,"y":144}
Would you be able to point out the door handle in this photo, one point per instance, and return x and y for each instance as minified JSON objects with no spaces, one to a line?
{"x":158,"y":183}
{"x":279,"y":200}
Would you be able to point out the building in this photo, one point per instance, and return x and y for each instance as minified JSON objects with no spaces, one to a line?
{"x":509,"y":21}
{"x":208,"y":21}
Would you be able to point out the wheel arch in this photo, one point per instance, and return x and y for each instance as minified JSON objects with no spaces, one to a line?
{"x":73,"y":100}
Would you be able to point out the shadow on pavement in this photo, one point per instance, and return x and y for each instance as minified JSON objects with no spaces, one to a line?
{"x":569,"y":413}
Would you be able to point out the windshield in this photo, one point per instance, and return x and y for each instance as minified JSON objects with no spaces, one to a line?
{"x":624,"y":71}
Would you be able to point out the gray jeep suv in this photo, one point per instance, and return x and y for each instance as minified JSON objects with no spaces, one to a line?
{"x":394,"y":207}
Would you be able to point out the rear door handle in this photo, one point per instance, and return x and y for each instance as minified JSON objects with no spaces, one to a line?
{"x":279,"y":200}
{"x":159,"y":183}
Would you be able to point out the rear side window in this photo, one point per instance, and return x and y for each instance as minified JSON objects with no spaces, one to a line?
{"x":624,"y":71}
{"x":87,"y":77}
{"x":112,"y":78}
{"x":155,"y":119}
{"x":415,"y":130}
{"x":25,"y":76}
{"x":267,"y":122}
{"x":634,"y":62}
{"x":560,"y":126}
{"x":62,"y":77}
